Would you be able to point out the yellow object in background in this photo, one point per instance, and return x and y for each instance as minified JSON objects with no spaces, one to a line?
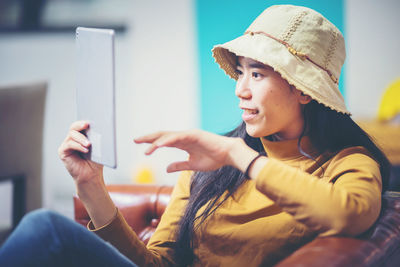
{"x":144,"y":175}
{"x":390,"y":103}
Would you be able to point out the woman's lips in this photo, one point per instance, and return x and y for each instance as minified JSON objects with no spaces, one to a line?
{"x":249,"y":114}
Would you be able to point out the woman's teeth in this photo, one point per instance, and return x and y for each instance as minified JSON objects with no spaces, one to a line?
{"x":250,"y":111}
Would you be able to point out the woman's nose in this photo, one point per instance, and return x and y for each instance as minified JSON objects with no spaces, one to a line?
{"x":242,"y":88}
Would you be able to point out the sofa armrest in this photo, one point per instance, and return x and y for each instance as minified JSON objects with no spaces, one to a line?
{"x":379,"y":246}
{"x":141,"y":206}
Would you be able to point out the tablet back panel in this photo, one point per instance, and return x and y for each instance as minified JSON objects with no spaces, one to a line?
{"x":96,"y":91}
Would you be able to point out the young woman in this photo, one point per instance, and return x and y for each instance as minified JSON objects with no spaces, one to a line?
{"x":297,"y":167}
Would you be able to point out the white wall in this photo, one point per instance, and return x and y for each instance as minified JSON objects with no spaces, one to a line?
{"x":373,"y":59}
{"x":156,"y":89}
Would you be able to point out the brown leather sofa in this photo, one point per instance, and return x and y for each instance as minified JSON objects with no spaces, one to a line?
{"x":142,"y":206}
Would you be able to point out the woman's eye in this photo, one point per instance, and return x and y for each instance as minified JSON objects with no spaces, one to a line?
{"x":239,"y":72}
{"x":256,"y":75}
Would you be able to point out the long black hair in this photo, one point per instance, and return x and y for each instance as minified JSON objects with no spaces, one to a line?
{"x":329,"y":131}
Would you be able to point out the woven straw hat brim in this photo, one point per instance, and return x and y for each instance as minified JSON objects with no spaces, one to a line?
{"x":302,"y":74}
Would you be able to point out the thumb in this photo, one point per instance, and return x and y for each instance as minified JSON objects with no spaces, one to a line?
{"x":178,"y":166}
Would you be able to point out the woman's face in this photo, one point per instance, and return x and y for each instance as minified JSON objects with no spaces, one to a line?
{"x":270,"y":105}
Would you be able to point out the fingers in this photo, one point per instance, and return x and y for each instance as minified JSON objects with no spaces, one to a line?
{"x":79,"y":138}
{"x":166,"y":139}
{"x":148,"y":138}
{"x":178,"y":166}
{"x":68,"y":147}
{"x":79,"y":125}
{"x":151,"y":149}
{"x":75,"y":140}
{"x":72,"y":145}
{"x":160,"y":141}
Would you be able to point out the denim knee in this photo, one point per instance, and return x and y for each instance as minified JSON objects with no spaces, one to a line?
{"x":39,"y":217}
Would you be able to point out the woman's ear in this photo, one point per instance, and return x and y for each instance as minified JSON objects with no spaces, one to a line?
{"x":303,"y":98}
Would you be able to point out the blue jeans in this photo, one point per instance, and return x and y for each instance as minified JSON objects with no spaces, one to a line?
{"x":45,"y":238}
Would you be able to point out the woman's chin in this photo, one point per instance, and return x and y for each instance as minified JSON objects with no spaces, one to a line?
{"x":254,"y":131}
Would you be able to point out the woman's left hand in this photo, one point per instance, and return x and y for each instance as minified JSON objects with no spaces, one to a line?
{"x":207,"y":151}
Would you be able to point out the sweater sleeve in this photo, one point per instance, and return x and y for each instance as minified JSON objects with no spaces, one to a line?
{"x":346,"y":203}
{"x":159,"y":250}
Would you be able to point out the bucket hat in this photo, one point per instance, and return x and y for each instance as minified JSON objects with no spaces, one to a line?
{"x":299,"y":43}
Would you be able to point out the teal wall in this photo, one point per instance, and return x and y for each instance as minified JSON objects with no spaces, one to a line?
{"x":219,"y":21}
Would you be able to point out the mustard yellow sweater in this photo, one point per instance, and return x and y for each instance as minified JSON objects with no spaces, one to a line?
{"x":292,"y":200}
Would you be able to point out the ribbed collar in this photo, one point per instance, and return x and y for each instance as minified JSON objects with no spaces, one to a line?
{"x":288,"y":149}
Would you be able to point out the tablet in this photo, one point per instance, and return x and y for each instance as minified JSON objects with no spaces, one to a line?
{"x":95,"y":92}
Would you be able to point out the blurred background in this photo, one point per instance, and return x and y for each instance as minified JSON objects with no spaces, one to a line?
{"x":166,"y":78}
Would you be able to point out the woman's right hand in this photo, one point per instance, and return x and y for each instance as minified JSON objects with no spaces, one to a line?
{"x":88,"y":176}
{"x":81,"y":170}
